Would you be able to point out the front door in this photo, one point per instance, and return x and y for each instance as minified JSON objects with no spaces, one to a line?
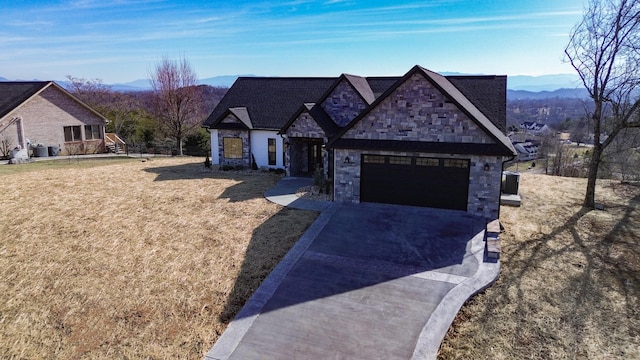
{"x":314,"y":156}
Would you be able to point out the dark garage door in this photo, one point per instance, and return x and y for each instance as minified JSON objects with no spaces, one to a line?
{"x":418,"y":181}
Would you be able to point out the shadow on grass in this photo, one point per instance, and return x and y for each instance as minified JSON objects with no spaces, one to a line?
{"x":250,"y":184}
{"x":609,"y":264}
{"x":269,"y":243}
{"x":189,"y":171}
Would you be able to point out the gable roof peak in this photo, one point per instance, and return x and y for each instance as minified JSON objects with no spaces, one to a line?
{"x":360,"y":85}
{"x":448,"y":89}
{"x":15,"y":93}
{"x":242,"y":114}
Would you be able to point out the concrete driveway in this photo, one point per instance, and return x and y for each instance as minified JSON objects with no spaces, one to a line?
{"x":366,"y":281}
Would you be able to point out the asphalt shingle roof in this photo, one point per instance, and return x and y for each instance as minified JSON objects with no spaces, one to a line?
{"x":14,"y":93}
{"x":361,"y":85}
{"x":380,"y":84}
{"x":270,"y":102}
{"x":487,"y":93}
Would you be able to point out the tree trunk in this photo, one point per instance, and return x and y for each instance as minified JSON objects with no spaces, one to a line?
{"x":592,"y":176}
{"x":179,"y":141}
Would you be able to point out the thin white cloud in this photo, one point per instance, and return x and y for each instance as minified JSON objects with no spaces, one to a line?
{"x":32,"y":23}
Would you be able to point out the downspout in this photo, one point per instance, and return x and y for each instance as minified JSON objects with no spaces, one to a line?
{"x":500,"y":194}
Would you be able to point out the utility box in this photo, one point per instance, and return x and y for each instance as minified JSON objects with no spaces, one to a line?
{"x":510,"y":182}
{"x":41,"y":151}
{"x":53,"y":150}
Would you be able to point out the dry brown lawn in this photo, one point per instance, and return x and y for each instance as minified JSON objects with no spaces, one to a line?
{"x":132,"y":259}
{"x":569,"y":283}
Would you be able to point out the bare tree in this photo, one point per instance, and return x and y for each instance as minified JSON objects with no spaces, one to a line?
{"x":5,"y":146}
{"x":92,"y":92}
{"x":604,"y":48}
{"x":176,"y":102}
{"x":123,"y":109}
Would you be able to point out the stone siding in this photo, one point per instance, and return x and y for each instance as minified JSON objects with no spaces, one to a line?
{"x":305,"y":126}
{"x":346,"y":178}
{"x":246,"y":151}
{"x":343,"y":104}
{"x":484,"y":186}
{"x":417,"y":111}
{"x":45,"y":116}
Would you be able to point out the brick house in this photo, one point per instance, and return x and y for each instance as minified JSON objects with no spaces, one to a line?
{"x":422,"y":139}
{"x":42,"y":112}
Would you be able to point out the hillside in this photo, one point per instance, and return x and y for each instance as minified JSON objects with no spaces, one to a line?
{"x":569,"y":285}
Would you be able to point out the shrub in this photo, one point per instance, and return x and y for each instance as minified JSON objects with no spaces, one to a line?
{"x":318,"y":177}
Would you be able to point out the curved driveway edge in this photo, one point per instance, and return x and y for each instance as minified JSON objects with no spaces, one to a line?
{"x":440,"y":321}
{"x":364,"y":281}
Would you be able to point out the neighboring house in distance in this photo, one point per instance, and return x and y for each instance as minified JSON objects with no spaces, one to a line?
{"x":42,"y":112}
{"x":527,"y":150}
{"x":422,"y":139}
{"x":535,"y":128}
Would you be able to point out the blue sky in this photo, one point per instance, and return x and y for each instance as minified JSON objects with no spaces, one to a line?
{"x":120,"y":41}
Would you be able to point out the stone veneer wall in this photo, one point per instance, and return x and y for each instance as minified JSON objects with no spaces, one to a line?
{"x":246,"y":151}
{"x":417,"y":111}
{"x":344,"y":104}
{"x":45,"y":116}
{"x":484,"y":186}
{"x":305,"y":126}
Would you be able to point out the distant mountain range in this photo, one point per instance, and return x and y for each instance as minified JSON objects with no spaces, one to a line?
{"x":519,"y":86}
{"x":536,"y":95}
{"x":143,"y":84}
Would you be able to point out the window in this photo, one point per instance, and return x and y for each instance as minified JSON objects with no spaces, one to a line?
{"x":427,"y":162}
{"x":93,"y":132}
{"x":271,"y":148}
{"x":72,"y":133}
{"x":456,"y":163}
{"x":232,"y":148}
{"x":373,"y":159}
{"x":399,"y":160}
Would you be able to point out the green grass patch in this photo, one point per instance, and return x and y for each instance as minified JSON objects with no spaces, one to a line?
{"x":64,"y":163}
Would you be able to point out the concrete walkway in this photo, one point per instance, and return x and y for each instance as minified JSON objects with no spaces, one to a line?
{"x":365,"y":281}
{"x":284,"y":193}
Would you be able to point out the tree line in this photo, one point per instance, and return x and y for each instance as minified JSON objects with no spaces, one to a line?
{"x":165,"y":119}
